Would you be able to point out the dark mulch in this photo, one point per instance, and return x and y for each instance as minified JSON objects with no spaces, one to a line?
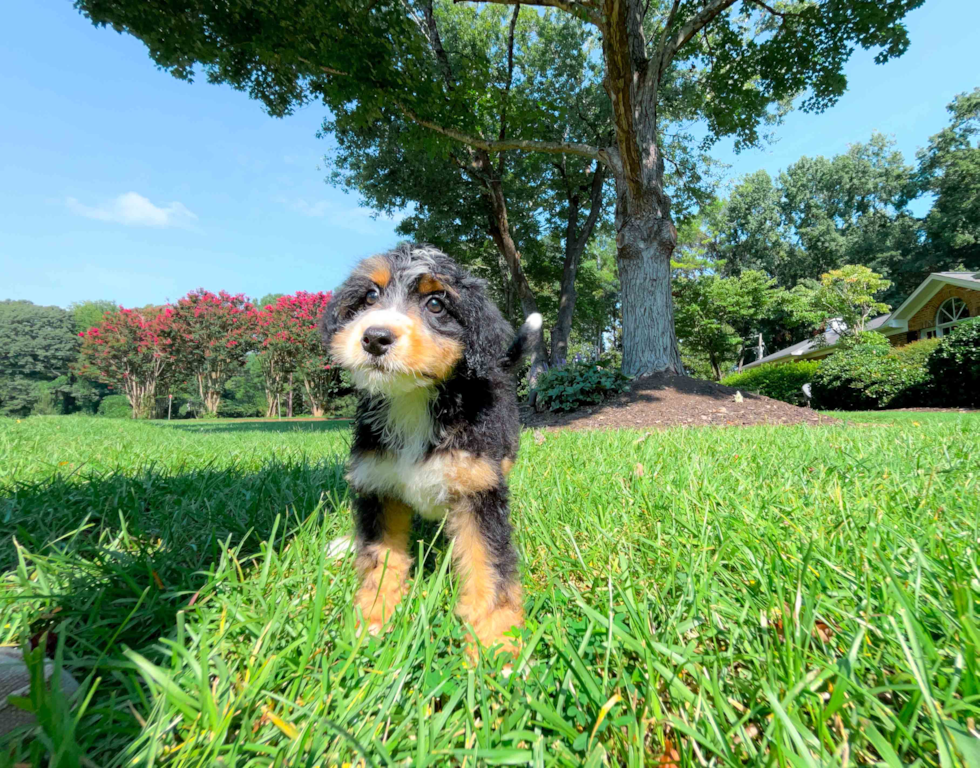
{"x":665,"y":400}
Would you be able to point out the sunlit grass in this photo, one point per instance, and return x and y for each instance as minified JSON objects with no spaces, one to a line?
{"x":763,"y":596}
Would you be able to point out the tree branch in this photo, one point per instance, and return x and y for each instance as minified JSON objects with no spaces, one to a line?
{"x":510,"y":79}
{"x":663,"y":38}
{"x":694,"y":25}
{"x":550,"y":147}
{"x":432,"y":33}
{"x":478,"y":142}
{"x":598,"y":179}
{"x":773,"y":11}
{"x":582,"y":10}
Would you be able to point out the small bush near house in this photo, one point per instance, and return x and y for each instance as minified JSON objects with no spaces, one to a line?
{"x":115,"y":407}
{"x":780,"y":382}
{"x":867,"y":373}
{"x":581,"y":383}
{"x":955,"y":366}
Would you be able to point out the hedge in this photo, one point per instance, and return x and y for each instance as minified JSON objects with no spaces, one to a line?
{"x":955,"y":366}
{"x":779,"y":381}
{"x":867,"y":373}
{"x":115,"y":407}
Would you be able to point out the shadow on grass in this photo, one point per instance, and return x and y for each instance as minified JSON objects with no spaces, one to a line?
{"x":256,"y":425}
{"x":107,"y":561}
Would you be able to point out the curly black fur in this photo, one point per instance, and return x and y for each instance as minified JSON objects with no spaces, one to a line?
{"x":472,"y":410}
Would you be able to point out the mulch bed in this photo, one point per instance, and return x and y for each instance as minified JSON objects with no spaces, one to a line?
{"x":665,"y":400}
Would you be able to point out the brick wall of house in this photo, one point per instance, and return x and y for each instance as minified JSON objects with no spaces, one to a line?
{"x":926,"y":317}
{"x":899,"y":339}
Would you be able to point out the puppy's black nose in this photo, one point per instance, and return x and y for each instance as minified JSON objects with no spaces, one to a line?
{"x":376,"y":340}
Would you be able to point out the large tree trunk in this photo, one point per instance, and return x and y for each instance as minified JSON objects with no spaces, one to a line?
{"x":645,"y":233}
{"x":643,"y":252}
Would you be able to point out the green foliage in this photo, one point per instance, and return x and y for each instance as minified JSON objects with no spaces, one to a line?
{"x":417,"y":91}
{"x":949,"y":168}
{"x":37,"y":344}
{"x":848,"y":295}
{"x":715,"y":315}
{"x":249,"y":651}
{"x":780,"y":382}
{"x":955,"y":366}
{"x":116,"y":407}
{"x":865,"y":372}
{"x":581,"y":383}
{"x":89,"y":314}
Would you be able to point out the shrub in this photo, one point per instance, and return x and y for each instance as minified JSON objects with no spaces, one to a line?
{"x":867,"y":373}
{"x":579,"y":384}
{"x":955,"y":366}
{"x":780,"y":382}
{"x":115,"y":407}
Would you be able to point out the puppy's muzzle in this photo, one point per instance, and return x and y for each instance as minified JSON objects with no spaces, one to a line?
{"x":376,"y":340}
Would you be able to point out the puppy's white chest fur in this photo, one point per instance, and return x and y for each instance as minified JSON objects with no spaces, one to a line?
{"x":401,"y":470}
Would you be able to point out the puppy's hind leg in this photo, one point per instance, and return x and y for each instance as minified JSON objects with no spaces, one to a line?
{"x":382,"y":560}
{"x":490,"y":598}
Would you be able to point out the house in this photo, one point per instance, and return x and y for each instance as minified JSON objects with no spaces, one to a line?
{"x":934,"y":309}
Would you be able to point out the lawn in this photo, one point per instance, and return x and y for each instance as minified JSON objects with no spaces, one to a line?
{"x":762,"y":596}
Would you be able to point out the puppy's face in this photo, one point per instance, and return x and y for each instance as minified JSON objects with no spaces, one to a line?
{"x":397,"y":324}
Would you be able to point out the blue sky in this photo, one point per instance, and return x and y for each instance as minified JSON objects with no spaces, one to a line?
{"x":120,"y":182}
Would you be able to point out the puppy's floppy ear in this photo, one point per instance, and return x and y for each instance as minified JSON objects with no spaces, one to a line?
{"x":487,"y":333}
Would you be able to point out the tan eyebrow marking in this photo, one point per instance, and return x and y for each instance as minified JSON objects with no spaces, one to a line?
{"x":429,"y":284}
{"x":378,"y":271}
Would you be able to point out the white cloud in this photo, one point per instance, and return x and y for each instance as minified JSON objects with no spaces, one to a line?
{"x":135,"y":210}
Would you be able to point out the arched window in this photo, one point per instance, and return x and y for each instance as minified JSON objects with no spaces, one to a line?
{"x":951,"y":312}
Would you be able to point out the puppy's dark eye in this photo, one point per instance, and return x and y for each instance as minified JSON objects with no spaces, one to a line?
{"x":372,"y":297}
{"x":434,"y":305}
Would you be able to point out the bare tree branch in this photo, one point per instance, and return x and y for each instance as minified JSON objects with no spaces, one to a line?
{"x":694,"y":25}
{"x":582,"y":10}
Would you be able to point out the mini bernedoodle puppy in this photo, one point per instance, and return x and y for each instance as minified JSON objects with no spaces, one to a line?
{"x":436,"y":430}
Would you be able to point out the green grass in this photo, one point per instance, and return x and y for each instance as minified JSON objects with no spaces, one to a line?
{"x":767,"y":596}
{"x":970,"y":419}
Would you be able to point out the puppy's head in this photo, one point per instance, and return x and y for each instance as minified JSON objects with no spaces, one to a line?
{"x":412,"y":318}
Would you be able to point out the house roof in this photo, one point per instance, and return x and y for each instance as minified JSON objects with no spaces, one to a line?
{"x":890,"y":324}
{"x":825,"y":341}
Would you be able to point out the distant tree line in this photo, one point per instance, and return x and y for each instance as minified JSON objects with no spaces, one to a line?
{"x":208,"y":354}
{"x":773,"y":257}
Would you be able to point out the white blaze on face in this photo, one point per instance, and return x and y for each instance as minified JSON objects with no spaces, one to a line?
{"x":385,"y":375}
{"x":418,"y":357}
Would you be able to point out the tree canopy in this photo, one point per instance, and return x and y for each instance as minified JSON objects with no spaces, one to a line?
{"x":37,"y":344}
{"x":734,"y":63}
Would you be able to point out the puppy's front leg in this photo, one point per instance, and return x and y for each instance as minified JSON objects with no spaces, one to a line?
{"x":382,"y":561}
{"x":490,"y":595}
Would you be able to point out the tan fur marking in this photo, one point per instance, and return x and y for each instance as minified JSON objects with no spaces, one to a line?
{"x":378,"y":271}
{"x":466,"y":473}
{"x":491,"y":608}
{"x":416,"y":349}
{"x":506,"y":466}
{"x":383,"y":568}
{"x":425,"y":352}
{"x":429,"y":284}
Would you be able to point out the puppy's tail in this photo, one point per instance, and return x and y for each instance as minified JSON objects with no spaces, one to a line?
{"x":527,"y":337}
